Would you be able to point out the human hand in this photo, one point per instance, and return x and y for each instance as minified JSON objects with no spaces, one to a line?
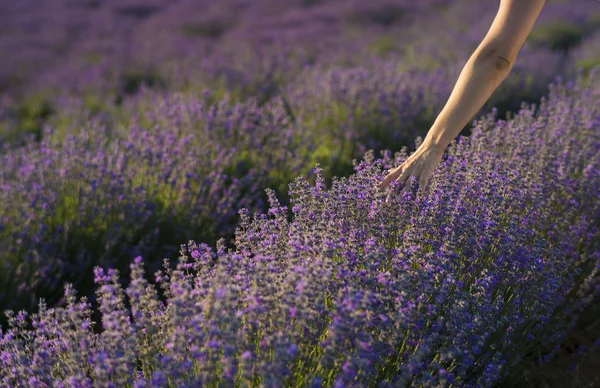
{"x":419,"y":166}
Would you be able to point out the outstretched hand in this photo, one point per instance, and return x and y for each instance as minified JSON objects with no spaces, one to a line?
{"x":419,"y":166}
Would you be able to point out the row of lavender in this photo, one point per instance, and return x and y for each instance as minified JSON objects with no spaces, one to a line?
{"x":491,"y":265}
{"x":164,"y":167}
{"x":84,"y":39}
{"x":102,"y":51}
{"x":169,"y":167}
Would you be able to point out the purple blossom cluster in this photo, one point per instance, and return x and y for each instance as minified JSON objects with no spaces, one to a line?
{"x":491,"y":265}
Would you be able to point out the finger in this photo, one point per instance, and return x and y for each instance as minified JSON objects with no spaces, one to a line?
{"x":404,"y":176}
{"x":389,"y":178}
{"x":393,"y":174}
{"x":390,"y":193}
{"x":388,"y":198}
{"x":400,"y":180}
{"x":423,"y":183}
{"x":407,"y":187}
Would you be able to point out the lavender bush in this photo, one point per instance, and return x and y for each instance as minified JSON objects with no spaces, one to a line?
{"x":102,"y":194}
{"x":233,"y":148}
{"x":493,"y":264}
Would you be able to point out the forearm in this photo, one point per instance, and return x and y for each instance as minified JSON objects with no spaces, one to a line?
{"x":478,"y":79}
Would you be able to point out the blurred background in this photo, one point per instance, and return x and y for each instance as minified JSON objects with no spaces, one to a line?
{"x":103,"y":51}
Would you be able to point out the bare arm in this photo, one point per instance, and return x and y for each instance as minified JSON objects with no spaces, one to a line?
{"x":489,"y":65}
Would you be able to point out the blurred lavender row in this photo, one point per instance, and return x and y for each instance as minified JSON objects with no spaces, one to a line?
{"x":104,"y":50}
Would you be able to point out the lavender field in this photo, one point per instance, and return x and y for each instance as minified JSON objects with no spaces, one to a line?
{"x":188,"y":197}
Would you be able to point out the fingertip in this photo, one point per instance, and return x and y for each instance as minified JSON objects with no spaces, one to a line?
{"x":406,"y":187}
{"x":385,"y":182}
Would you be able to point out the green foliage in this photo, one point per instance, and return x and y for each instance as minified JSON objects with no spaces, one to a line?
{"x":385,"y":45}
{"x":588,"y":63}
{"x":210,"y":29}
{"x":556,"y":35}
{"x":131,"y":81}
{"x":515,"y":90}
{"x":32,"y":111}
{"x":26,"y":118}
{"x":331,"y":149}
{"x":93,"y":58}
{"x":385,"y":16}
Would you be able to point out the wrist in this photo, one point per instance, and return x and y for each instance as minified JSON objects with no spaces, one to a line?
{"x":436,"y":143}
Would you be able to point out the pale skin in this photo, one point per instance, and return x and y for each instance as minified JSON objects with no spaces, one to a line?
{"x":485,"y":70}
